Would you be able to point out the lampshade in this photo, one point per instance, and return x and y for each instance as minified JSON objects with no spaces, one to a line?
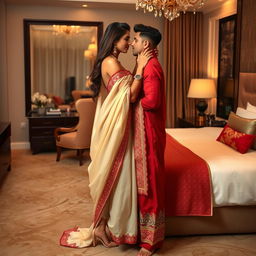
{"x":202,"y":88}
{"x":93,"y":47}
{"x":88,"y":54}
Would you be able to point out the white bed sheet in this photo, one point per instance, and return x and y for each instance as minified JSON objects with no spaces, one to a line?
{"x":233,"y":174}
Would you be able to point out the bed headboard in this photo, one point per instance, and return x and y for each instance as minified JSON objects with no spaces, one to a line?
{"x":247,"y":89}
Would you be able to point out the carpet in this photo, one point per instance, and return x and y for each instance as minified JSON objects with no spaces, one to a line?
{"x":40,"y":198}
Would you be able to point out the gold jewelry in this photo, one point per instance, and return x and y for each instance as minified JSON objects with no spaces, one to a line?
{"x":114,"y":51}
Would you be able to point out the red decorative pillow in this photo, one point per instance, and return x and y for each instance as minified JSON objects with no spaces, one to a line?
{"x":237,"y":140}
{"x":58,"y":100}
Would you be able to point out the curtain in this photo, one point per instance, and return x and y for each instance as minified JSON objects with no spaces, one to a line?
{"x":183,"y":61}
{"x":54,"y":58}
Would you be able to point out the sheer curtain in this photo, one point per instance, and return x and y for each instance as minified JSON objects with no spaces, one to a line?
{"x":54,"y":58}
{"x":183,"y":61}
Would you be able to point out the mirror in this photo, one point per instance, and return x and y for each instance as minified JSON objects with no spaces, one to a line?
{"x":59,"y":56}
{"x":226,"y":73}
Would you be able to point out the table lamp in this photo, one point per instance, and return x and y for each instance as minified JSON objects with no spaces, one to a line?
{"x":202,"y":89}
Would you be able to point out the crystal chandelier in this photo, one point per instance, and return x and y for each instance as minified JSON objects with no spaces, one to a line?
{"x":65,"y":29}
{"x":170,"y":9}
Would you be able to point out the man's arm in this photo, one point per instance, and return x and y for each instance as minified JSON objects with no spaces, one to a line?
{"x":152,"y":90}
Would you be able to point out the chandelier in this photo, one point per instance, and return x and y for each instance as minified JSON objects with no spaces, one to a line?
{"x":65,"y":29}
{"x":170,"y":9}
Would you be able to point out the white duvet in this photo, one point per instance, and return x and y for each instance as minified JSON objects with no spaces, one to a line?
{"x":233,"y":174}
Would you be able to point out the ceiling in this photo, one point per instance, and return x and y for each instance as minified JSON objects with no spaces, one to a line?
{"x":210,"y":5}
{"x":108,"y":4}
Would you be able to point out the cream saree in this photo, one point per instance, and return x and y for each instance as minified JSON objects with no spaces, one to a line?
{"x":112,"y":178}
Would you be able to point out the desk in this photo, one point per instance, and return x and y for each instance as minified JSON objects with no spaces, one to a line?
{"x":41,"y":129}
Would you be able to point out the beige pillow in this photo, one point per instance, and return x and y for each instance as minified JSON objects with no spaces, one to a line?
{"x":244,"y":125}
{"x":250,"y":107}
{"x":245,"y":113}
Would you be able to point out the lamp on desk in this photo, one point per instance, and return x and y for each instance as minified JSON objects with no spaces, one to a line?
{"x":202,"y":89}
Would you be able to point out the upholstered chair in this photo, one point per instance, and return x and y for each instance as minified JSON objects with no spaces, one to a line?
{"x":78,"y":137}
{"x":78,"y":94}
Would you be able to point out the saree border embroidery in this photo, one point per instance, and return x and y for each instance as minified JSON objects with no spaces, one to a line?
{"x":124,"y":239}
{"x":152,"y":227}
{"x":112,"y":80}
{"x":65,"y":236}
{"x":113,"y":173}
{"x":140,"y":150}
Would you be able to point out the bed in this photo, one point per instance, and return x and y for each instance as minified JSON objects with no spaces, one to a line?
{"x":233,"y":189}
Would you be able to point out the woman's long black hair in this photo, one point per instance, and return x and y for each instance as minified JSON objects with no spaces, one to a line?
{"x":112,"y":34}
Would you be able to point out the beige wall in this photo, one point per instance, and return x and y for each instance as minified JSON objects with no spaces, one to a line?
{"x":15,"y":51}
{"x":4,"y":110}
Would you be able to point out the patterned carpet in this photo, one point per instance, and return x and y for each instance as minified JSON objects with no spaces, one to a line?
{"x":40,"y":198}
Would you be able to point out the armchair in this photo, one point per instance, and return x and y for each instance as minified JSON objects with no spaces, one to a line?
{"x":78,"y":94}
{"x":78,"y":137}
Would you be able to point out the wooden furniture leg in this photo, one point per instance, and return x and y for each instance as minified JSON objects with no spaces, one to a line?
{"x":58,"y":153}
{"x":80,"y":156}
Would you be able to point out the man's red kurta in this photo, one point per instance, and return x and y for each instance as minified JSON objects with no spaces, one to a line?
{"x":151,"y":206}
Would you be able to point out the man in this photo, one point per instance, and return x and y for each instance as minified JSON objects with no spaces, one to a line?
{"x":152,"y":101}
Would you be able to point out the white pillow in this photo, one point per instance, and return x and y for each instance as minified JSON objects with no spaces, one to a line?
{"x":250,"y":107}
{"x":245,"y":113}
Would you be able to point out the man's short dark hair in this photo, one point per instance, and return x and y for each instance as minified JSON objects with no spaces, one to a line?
{"x":151,"y":33}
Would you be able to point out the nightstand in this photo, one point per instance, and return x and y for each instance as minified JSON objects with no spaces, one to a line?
{"x":188,"y":123}
{"x":193,"y":123}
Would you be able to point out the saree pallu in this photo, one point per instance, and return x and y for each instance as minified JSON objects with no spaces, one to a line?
{"x":112,"y":178}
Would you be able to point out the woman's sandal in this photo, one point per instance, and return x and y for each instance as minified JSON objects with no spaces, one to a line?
{"x":108,"y":233}
{"x":145,"y":252}
{"x":96,"y":240}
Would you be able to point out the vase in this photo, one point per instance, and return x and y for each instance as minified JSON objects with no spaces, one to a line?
{"x":41,"y":111}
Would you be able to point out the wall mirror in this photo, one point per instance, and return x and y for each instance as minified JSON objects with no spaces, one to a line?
{"x":59,"y":56}
{"x":227,"y":98}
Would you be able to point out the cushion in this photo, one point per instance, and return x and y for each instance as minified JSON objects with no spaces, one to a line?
{"x":245,"y":113}
{"x":250,"y":107}
{"x":235,"y":139}
{"x":244,"y":125}
{"x":58,"y":100}
{"x":241,"y":124}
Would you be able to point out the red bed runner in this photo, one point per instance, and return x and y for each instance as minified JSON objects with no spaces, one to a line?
{"x":188,"y":184}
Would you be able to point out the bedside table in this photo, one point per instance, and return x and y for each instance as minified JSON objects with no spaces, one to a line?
{"x":193,"y":123}
{"x":188,"y":123}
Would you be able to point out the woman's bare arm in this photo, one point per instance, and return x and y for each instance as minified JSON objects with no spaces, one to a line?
{"x":142,"y":61}
{"x":109,"y":67}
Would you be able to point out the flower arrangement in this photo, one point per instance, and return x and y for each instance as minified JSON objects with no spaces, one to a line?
{"x":40,"y":100}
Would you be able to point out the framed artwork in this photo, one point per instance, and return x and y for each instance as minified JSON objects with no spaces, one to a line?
{"x":226,"y":66}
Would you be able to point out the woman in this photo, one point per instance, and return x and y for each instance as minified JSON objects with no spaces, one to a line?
{"x":112,"y":175}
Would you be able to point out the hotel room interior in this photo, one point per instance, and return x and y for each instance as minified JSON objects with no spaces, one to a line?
{"x":209,"y":61}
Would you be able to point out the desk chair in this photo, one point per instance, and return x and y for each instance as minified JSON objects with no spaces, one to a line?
{"x":78,"y":137}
